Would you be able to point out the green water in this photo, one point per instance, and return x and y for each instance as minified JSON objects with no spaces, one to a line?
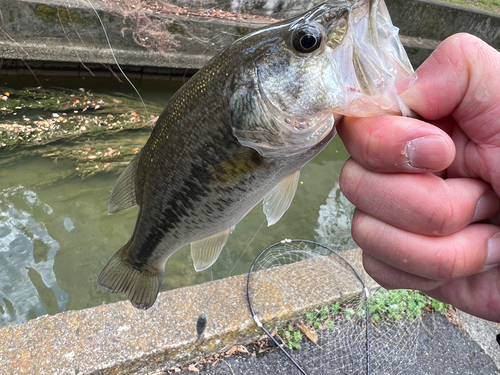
{"x":56,"y":236}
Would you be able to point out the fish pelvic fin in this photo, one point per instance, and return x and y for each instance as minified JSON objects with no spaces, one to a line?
{"x":141,"y":285}
{"x":277,"y":201}
{"x":124,"y":195}
{"x":206,"y":251}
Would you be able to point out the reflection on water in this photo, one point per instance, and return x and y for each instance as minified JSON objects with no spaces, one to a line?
{"x":27,"y":252}
{"x":334,"y":221}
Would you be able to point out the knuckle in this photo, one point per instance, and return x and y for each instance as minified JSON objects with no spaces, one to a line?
{"x":451,"y":264}
{"x":446,"y":218}
{"x":379,"y":274}
{"x":359,"y":232}
{"x":350,"y":181}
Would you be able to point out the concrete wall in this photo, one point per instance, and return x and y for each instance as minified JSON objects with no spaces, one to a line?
{"x":425,"y":19}
{"x":48,"y":30}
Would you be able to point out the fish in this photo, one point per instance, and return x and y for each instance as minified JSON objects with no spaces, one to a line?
{"x":239,"y":131}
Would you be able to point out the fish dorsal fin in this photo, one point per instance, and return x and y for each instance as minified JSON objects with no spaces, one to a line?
{"x":280,"y":197}
{"x":123,"y":194}
{"x":206,"y":251}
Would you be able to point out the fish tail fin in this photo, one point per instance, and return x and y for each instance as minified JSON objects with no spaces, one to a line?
{"x":139,"y":284}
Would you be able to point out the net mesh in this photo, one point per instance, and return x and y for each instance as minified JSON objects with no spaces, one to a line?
{"x":314,"y":303}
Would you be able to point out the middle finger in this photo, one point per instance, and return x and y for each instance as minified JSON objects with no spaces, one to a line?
{"x":420,"y":203}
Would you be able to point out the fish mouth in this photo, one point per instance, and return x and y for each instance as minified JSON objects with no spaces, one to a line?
{"x":359,"y":32}
{"x":353,"y":71}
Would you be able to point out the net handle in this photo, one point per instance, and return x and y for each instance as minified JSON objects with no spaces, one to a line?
{"x":258,"y":322}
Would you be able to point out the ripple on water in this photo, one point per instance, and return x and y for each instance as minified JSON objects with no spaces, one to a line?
{"x":20,"y":265}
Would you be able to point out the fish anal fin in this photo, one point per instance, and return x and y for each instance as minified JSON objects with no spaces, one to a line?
{"x":277,"y":201}
{"x":140,"y":285}
{"x":206,"y":251}
{"x":124,"y":195}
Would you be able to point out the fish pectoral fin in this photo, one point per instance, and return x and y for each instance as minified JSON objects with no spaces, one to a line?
{"x":123,"y":195}
{"x":277,"y":201}
{"x":141,"y":285}
{"x":206,"y":251}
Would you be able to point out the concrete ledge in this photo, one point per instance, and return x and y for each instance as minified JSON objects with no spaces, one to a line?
{"x":119,"y":339}
{"x":50,"y":30}
{"x":40,"y":49}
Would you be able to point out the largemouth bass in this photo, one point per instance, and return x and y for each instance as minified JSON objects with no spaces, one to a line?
{"x":239,"y":131}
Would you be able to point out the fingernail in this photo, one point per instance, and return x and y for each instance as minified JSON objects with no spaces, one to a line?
{"x":431,"y":152}
{"x":485,"y":206}
{"x":493,"y":250}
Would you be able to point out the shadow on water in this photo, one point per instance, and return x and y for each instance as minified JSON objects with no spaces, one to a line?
{"x":56,"y":236}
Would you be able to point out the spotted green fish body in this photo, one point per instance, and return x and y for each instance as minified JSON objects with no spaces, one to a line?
{"x":239,"y":131}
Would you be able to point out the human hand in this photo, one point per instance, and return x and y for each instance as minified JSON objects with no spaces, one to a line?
{"x":427,"y":193}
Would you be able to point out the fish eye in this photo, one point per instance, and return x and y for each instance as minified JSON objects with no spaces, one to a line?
{"x":307,"y":40}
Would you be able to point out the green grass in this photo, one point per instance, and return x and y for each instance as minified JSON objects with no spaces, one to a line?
{"x":392,"y":305}
{"x":293,"y":337}
{"x":401,"y":303}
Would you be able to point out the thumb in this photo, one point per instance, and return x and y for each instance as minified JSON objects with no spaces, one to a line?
{"x":460,"y":78}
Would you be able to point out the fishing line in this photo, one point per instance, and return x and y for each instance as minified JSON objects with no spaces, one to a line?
{"x":286,"y":252}
{"x":70,"y":42}
{"x":247,"y":247}
{"x":116,"y":61}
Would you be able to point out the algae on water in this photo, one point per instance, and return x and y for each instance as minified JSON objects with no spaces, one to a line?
{"x":40,"y":115}
{"x":75,"y":124}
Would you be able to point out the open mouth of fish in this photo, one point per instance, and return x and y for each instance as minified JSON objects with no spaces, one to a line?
{"x":379,"y":59}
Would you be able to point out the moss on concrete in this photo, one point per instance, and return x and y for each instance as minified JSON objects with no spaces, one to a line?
{"x":60,"y":15}
{"x":176,"y":28}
